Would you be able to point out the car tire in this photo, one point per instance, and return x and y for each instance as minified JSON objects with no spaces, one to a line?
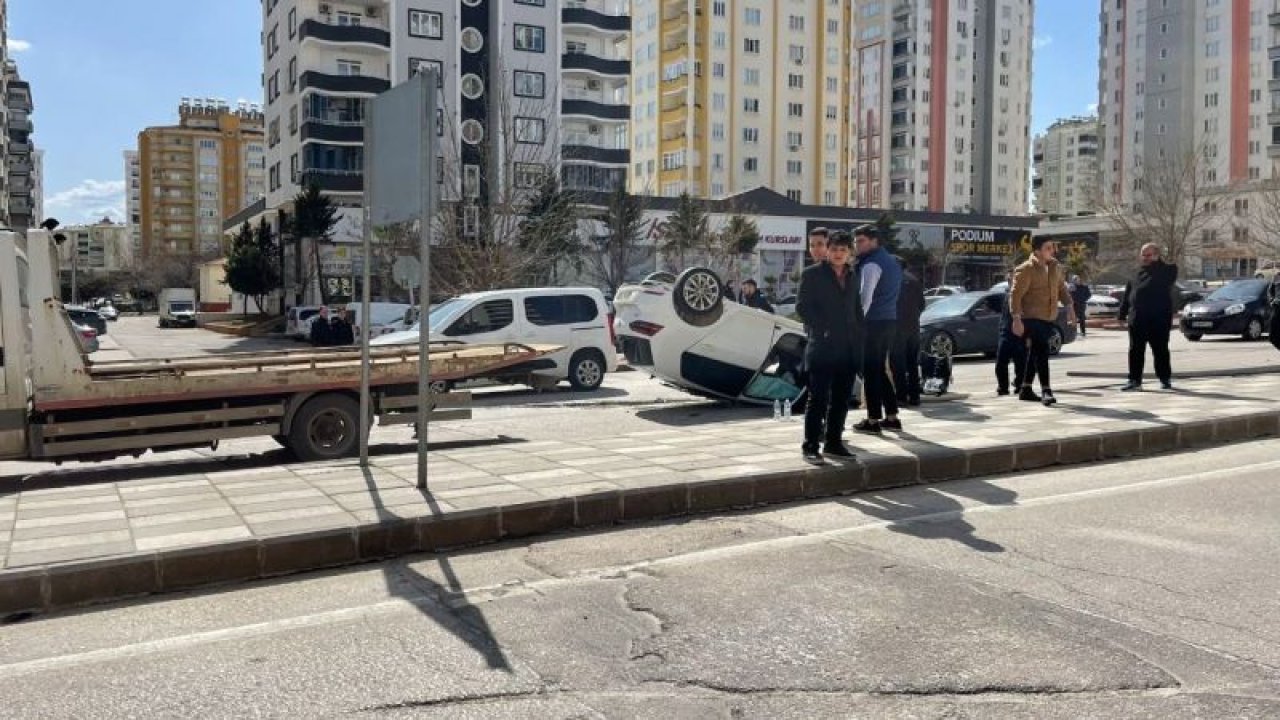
{"x":440,"y":387}
{"x":586,"y":370}
{"x":940,"y":344}
{"x":326,"y":427}
{"x":1253,"y":331}
{"x":1193,"y":337}
{"x":1055,"y":341}
{"x":699,"y":296}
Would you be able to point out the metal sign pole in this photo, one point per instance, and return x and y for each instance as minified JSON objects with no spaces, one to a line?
{"x":428,"y":179}
{"x":367,"y":249}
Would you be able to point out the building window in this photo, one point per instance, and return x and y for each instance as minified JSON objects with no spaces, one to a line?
{"x":750,"y":76}
{"x":750,"y":135}
{"x":349,"y":67}
{"x":472,"y":86}
{"x":750,"y":165}
{"x":530,"y":84}
{"x":793,"y":195}
{"x":753,"y":16}
{"x":751,"y":105}
{"x":751,"y":45}
{"x":530,"y":38}
{"x":293,"y":22}
{"x":472,"y":40}
{"x":426,"y":24}
{"x":417,"y":65}
{"x":535,"y":3}
{"x":471,"y":180}
{"x":472,"y":132}
{"x":531,"y":130}
{"x":795,"y":110}
{"x":794,"y":167}
{"x":293,"y":74}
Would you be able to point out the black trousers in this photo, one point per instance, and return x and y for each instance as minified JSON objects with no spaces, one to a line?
{"x":1142,"y":334}
{"x":1010,"y":349}
{"x":1038,"y":332}
{"x":881,"y":399}
{"x":829,"y":388}
{"x":906,"y":364}
{"x":1081,"y":310}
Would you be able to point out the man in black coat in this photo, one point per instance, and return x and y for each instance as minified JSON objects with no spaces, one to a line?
{"x":1147,"y":307}
{"x":1080,"y":294}
{"x":828,"y":303}
{"x":321,"y":330}
{"x":905,"y":359}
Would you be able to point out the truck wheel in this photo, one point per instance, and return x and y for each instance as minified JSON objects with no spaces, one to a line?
{"x":586,"y":370}
{"x":699,"y":296}
{"x":327,"y":427}
{"x":440,"y":387}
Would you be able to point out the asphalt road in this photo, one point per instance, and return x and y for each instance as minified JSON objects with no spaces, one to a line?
{"x":1140,"y":589}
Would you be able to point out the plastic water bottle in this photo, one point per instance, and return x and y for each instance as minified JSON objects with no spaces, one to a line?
{"x":777,"y":409}
{"x":786,"y":410}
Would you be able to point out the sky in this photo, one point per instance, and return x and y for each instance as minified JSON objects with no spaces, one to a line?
{"x":124,"y":65}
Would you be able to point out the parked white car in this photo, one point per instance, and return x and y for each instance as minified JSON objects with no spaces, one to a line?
{"x":387,"y":318}
{"x":684,"y":333}
{"x":935,"y":294}
{"x":576,"y":318}
{"x":297,"y":324}
{"x":1102,"y":306}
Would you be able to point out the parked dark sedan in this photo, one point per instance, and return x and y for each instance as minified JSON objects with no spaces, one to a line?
{"x":89,"y":317}
{"x":970,"y":323}
{"x":1238,"y":308}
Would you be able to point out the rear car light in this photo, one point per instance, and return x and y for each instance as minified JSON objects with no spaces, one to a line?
{"x":647,"y":329}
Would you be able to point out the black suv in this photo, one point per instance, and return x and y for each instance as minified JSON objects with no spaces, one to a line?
{"x":87,"y":316}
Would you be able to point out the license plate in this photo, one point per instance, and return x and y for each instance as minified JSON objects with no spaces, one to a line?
{"x":1202,"y":324}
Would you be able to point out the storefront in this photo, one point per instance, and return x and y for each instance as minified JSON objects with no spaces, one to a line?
{"x":977,"y":258}
{"x":781,"y":254}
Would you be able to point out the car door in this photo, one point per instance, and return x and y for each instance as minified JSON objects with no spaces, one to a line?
{"x":485,"y":322}
{"x":986,"y":323}
{"x":548,"y":321}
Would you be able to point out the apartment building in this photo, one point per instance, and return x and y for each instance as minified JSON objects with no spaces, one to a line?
{"x":196,"y":173}
{"x":133,"y":199}
{"x":941,"y":105}
{"x":595,"y":93}
{"x":99,"y":249}
{"x":19,"y":149}
{"x":1065,"y":157}
{"x":728,"y":96}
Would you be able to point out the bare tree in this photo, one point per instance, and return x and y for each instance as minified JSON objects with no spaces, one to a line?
{"x":1264,"y":212}
{"x":505,"y":219}
{"x":727,"y":246}
{"x":685,"y":232}
{"x":611,"y":254}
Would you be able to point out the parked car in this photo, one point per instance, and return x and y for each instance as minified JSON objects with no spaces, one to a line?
{"x":88,"y":338}
{"x":935,"y":294}
{"x":1238,"y":308}
{"x":109,"y":312}
{"x":681,"y":331}
{"x":87,"y":316}
{"x":575,"y":318}
{"x":1102,"y":306}
{"x":1267,"y":269}
{"x":970,"y":323}
{"x":297,"y":323}
{"x":786,"y":307}
{"x":387,"y":318}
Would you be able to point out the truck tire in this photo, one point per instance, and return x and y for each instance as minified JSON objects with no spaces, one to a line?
{"x":586,"y":370}
{"x":698,"y":296}
{"x":326,"y":427}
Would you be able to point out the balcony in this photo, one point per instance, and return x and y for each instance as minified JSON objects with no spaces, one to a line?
{"x":589,"y":63}
{"x":19,"y":168}
{"x":583,"y":16}
{"x":324,"y":32}
{"x":596,"y":154}
{"x":322,"y":131}
{"x":589,"y":108}
{"x":1274,"y":19}
{"x":333,"y":180}
{"x":20,"y":123}
{"x":1273,"y":151}
{"x":344,"y":83}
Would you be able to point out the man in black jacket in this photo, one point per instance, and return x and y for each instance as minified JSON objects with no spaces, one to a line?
{"x":829,"y":305}
{"x":905,"y":359}
{"x":1147,"y":308}
{"x":752,"y":297}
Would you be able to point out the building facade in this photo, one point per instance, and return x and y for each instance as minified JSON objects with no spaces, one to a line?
{"x":133,"y":199}
{"x":1065,"y":168}
{"x":93,"y":251}
{"x":19,"y":150}
{"x":941,"y":105}
{"x":194,"y":174}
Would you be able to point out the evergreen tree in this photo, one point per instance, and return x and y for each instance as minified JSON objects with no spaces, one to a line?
{"x":314,"y":217}
{"x":685,"y":231}
{"x":251,"y":264}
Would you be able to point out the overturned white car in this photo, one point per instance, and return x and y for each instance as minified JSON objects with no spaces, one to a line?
{"x":684,"y":331}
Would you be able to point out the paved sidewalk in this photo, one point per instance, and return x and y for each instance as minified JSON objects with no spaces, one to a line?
{"x":73,"y":544}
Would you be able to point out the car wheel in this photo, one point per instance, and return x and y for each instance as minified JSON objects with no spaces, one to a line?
{"x":941,"y":344}
{"x":586,"y":370}
{"x":1193,"y":337}
{"x":326,"y":427}
{"x":440,"y":387}
{"x":1253,"y":331}
{"x":1055,"y":341}
{"x":699,"y":296}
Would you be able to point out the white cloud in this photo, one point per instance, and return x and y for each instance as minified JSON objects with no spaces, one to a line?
{"x":1040,"y":41}
{"x":89,"y":201}
{"x":16,"y":46}
{"x":1091,"y":108}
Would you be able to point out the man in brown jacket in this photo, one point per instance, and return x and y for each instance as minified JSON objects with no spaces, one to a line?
{"x":1039,"y":285}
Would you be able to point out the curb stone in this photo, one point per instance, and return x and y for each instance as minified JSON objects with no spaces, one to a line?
{"x":29,"y":590}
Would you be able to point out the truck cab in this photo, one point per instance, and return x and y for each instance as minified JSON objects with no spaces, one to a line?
{"x":177,"y":307}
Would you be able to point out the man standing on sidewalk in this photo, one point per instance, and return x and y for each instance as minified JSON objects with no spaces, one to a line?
{"x":818,"y":244}
{"x":880,"y":281}
{"x":827,"y":303}
{"x":1080,"y":294}
{"x":1038,"y":286}
{"x":1147,"y":308}
{"x":1009,"y":349}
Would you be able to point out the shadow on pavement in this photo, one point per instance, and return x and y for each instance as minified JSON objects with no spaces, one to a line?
{"x":701,"y":413}
{"x":931,"y":515}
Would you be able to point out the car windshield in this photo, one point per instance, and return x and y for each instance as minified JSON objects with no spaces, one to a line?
{"x":1240,"y":290}
{"x":443,"y":313}
{"x":948,"y":307}
{"x":181,"y":307}
{"x":386,"y":315}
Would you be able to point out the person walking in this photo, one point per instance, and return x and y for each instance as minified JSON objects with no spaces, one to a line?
{"x":1038,"y":286}
{"x":1147,"y":309}
{"x":321,"y":331}
{"x":752,"y":297}
{"x":1080,"y":294}
{"x":880,"y":282}
{"x":828,"y":304}
{"x":906,"y":341}
{"x":1009,"y":349}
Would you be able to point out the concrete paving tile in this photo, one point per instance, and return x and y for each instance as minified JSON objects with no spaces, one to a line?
{"x":301,"y":495}
{"x":478,"y":491}
{"x":769,"y":457}
{"x":93,"y":526}
{"x":194,"y":538}
{"x":627,"y":473}
{"x":62,"y":554}
{"x":270,"y":488}
{"x":289,"y":514}
{"x":728,"y":471}
{"x":47,"y":512}
{"x":543,"y":475}
{"x":185,"y":515}
{"x":568,"y":452}
{"x":72,"y":502}
{"x":596,"y":461}
{"x":303,"y":524}
{"x":576,"y":489}
{"x":451,"y":483}
{"x":67,"y":541}
{"x":25,"y":523}
{"x":398,"y":496}
{"x":175,"y":487}
{"x":495,"y":500}
{"x":371,"y":515}
{"x":186,"y":525}
{"x":72,"y":491}
{"x":201,"y":503}
{"x":333,"y":487}
{"x":319,"y":500}
{"x":412,"y":477}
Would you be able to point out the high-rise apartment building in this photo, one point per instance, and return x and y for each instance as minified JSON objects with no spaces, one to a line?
{"x":595,"y":93}
{"x":133,"y":200}
{"x":1182,"y":76}
{"x":727,"y":96}
{"x":196,"y":173}
{"x":19,"y":150}
{"x":1065,"y":158}
{"x":941,"y":105}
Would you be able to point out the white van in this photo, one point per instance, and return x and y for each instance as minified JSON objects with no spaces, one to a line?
{"x":575,"y":317}
{"x":387,"y":318}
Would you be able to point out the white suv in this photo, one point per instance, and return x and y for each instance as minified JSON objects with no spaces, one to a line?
{"x":576,"y":318}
